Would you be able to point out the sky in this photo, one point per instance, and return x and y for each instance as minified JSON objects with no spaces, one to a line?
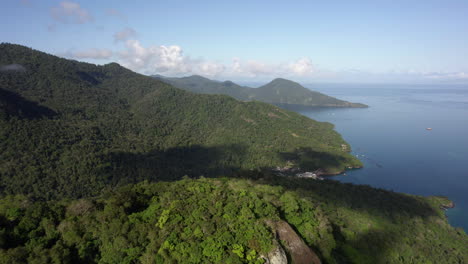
{"x":374,"y":41}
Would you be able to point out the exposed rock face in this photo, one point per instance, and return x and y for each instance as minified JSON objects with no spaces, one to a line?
{"x":277,"y":256}
{"x":300,"y":253}
{"x":447,"y":205}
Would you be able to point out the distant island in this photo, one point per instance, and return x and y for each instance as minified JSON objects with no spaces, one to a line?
{"x":279,"y":91}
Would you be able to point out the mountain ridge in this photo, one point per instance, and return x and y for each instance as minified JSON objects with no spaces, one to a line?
{"x":279,"y":91}
{"x":111,"y":126}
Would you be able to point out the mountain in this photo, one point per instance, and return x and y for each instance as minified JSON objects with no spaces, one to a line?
{"x":70,"y":129}
{"x":279,"y":91}
{"x":282,"y":91}
{"x":201,"y":85}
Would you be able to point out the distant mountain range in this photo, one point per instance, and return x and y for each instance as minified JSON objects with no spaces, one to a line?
{"x":279,"y":91}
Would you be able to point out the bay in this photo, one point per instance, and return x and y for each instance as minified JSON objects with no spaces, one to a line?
{"x":392,"y":139}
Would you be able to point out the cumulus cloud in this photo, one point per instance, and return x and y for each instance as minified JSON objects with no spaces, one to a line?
{"x":124,"y":34}
{"x":210,"y":68}
{"x":171,"y":60}
{"x":301,"y":67}
{"x":12,"y":68}
{"x":254,"y":68}
{"x":70,"y":12}
{"x":155,"y":59}
{"x":97,"y":54}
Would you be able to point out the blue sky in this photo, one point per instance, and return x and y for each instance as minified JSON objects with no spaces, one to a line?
{"x":324,"y":41}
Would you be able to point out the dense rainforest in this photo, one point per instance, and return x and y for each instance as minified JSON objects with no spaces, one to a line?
{"x":230,"y":221}
{"x":279,"y":92}
{"x":70,"y":129}
{"x":99,"y":164}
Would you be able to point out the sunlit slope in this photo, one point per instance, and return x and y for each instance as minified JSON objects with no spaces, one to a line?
{"x":232,"y":221}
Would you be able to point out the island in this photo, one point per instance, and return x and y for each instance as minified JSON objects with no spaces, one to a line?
{"x":279,"y":91}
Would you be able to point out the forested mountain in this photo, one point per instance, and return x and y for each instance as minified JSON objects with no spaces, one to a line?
{"x":279,"y":91}
{"x":69,"y":128}
{"x":201,"y":85}
{"x":232,"y":221}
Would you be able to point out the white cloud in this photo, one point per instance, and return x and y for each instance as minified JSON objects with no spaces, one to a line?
{"x":391,"y":76}
{"x":257,"y":68}
{"x":447,"y":75}
{"x":70,"y":12}
{"x":168,"y":60}
{"x":302,"y":67}
{"x":171,"y":60}
{"x":97,"y":54}
{"x":210,"y":69}
{"x":125,"y":34}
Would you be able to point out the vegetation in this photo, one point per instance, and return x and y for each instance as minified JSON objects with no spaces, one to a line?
{"x":279,"y":91}
{"x":70,"y":129}
{"x":225,"y":221}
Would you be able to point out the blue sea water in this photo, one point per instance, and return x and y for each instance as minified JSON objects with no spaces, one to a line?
{"x":391,"y":139}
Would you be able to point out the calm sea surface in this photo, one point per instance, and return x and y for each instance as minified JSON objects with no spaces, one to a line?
{"x":391,"y":139}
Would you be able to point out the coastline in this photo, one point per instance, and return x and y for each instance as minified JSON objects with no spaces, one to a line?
{"x":302,"y":107}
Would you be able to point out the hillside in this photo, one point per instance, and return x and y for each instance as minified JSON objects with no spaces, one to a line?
{"x":279,"y":91}
{"x":201,"y":85}
{"x":70,"y":129}
{"x":232,"y":221}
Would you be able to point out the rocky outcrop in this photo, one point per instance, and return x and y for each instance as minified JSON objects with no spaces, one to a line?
{"x":299,"y":252}
{"x":276,"y":256}
{"x":447,"y":205}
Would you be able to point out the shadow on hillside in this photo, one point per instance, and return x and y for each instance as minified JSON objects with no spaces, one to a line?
{"x":380,"y":205}
{"x":225,"y":160}
{"x":15,"y":105}
{"x":373,"y":240}
{"x":308,"y":159}
{"x":374,"y":201}
{"x":174,"y":163}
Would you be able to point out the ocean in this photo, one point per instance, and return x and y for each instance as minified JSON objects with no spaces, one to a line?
{"x":393,"y":140}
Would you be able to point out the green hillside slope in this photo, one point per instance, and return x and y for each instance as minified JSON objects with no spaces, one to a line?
{"x":231,"y":221}
{"x":71,"y":129}
{"x":279,"y":91}
{"x":202,"y":85}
